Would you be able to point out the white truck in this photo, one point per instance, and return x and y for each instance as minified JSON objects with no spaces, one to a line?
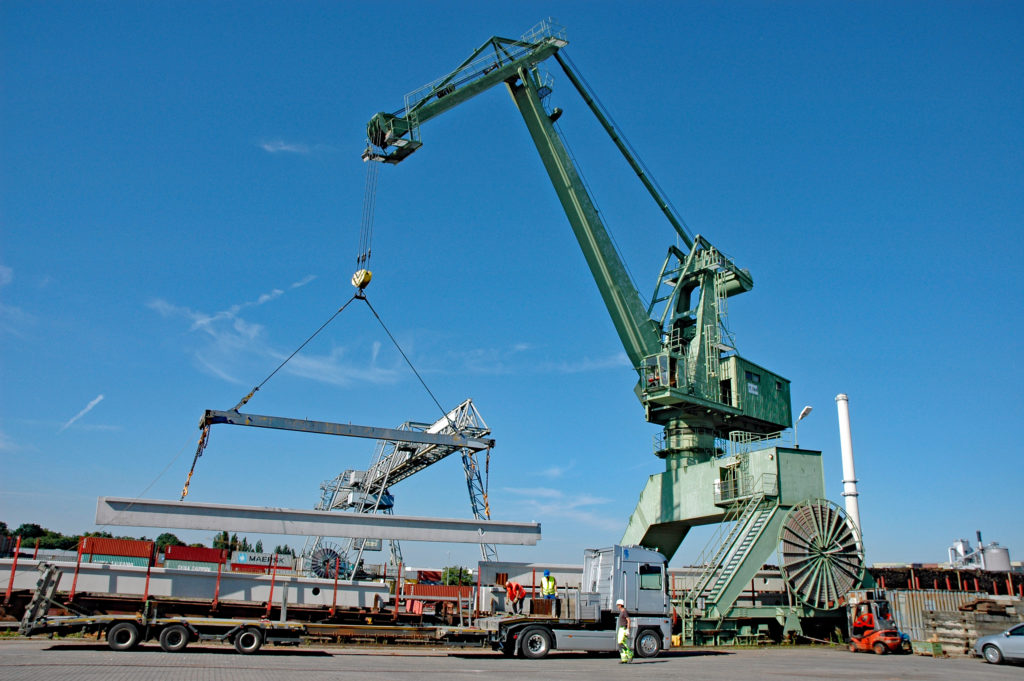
{"x":585,"y":619}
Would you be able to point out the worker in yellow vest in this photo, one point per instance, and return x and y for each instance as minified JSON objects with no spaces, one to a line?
{"x":547,"y":585}
{"x":548,"y":590}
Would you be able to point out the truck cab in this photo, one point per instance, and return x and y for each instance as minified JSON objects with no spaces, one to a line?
{"x":585,"y":619}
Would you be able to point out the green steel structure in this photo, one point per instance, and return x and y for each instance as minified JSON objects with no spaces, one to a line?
{"x":719,"y":411}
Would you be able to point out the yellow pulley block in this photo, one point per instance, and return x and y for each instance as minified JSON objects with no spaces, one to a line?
{"x":361,"y":279}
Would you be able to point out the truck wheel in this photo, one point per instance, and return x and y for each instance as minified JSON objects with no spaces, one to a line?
{"x":648,"y":643}
{"x":852,"y":647}
{"x":123,"y":636}
{"x":992,"y":654}
{"x":535,"y":643}
{"x":174,"y":638}
{"x":880,"y":648}
{"x":248,"y":640}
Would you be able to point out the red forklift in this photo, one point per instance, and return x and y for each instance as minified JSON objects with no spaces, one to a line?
{"x":871,"y":625}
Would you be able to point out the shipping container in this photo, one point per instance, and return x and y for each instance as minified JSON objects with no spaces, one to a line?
{"x":284,"y":560}
{"x":194,"y":554}
{"x":193,"y":565}
{"x":251,"y":569}
{"x":429,"y":591}
{"x":116,"y":547}
{"x":116,"y":560}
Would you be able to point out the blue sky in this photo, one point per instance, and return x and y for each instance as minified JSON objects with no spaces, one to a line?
{"x":181,"y":191}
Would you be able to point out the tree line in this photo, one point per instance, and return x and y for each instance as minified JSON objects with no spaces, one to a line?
{"x":49,"y":539}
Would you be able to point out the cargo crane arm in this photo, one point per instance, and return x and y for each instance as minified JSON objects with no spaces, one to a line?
{"x":690,"y":377}
{"x":513,"y":62}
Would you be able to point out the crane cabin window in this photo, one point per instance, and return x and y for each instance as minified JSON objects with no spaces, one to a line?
{"x":650,"y":577}
{"x":753,"y":383}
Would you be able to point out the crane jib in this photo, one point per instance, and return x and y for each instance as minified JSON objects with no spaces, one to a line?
{"x":692,"y":380}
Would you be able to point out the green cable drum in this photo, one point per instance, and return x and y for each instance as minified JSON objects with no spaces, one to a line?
{"x":821,"y":554}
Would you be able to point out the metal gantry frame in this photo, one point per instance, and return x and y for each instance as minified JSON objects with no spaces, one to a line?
{"x":396,"y":459}
{"x":400,"y":453}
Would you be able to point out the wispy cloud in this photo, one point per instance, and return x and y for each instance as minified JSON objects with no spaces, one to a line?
{"x":542,"y":492}
{"x":280,"y":146}
{"x":522,"y":357}
{"x":100,"y":427}
{"x":7,"y":445}
{"x":13,"y":320}
{"x":89,"y":407}
{"x":334,"y":369}
{"x":557,"y":471}
{"x":228,"y":343}
{"x":617,"y":360}
{"x":547,"y":502}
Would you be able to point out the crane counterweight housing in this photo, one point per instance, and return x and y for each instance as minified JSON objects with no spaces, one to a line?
{"x":722,"y":415}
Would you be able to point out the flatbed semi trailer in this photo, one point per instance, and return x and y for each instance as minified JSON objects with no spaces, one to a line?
{"x":583,"y":622}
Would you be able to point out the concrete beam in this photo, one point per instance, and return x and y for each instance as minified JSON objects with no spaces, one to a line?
{"x":187,"y":515}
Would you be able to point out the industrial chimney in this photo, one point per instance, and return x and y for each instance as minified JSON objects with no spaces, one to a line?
{"x":849,"y":474}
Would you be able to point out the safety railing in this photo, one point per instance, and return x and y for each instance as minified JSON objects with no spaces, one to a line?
{"x":744,"y":487}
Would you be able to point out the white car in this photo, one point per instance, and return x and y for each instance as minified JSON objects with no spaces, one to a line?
{"x":1008,"y":645}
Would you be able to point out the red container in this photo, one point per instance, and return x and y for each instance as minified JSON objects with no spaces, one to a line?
{"x":428,"y":591}
{"x":194,"y":553}
{"x":258,"y":569}
{"x":253,"y":569}
{"x":104,"y":546}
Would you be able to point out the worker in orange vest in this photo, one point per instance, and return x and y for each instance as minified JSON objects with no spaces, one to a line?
{"x":515,"y":594}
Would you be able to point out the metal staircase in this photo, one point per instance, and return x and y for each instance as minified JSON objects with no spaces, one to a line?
{"x":739,"y":515}
{"x":762,"y":512}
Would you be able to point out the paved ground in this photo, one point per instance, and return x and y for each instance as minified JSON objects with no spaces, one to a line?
{"x":35,"y":659}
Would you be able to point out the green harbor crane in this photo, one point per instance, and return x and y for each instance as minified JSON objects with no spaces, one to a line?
{"x":718,"y":411}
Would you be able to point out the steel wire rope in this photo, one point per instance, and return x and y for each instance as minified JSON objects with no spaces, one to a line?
{"x":154,"y":480}
{"x":625,"y":140}
{"x":205,"y":435}
{"x":593,"y":200}
{"x":297,"y":350}
{"x":408,"y":361}
{"x":366,"y":225}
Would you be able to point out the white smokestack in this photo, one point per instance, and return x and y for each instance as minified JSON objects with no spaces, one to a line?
{"x":849,"y":474}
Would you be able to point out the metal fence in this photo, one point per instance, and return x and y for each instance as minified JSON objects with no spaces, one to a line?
{"x":910,"y":609}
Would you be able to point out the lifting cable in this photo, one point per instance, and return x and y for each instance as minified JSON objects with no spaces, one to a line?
{"x":204,"y":436}
{"x":409,"y":362}
{"x":362,"y":276}
{"x":360,"y":280}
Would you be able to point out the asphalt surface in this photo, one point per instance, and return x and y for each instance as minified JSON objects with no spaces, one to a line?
{"x":38,"y":659}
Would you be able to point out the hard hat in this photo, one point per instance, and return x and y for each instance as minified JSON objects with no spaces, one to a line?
{"x":620,"y":602}
{"x":547,"y":573}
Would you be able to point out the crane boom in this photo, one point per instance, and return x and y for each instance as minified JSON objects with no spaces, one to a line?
{"x":503,"y":60}
{"x":691,"y":379}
